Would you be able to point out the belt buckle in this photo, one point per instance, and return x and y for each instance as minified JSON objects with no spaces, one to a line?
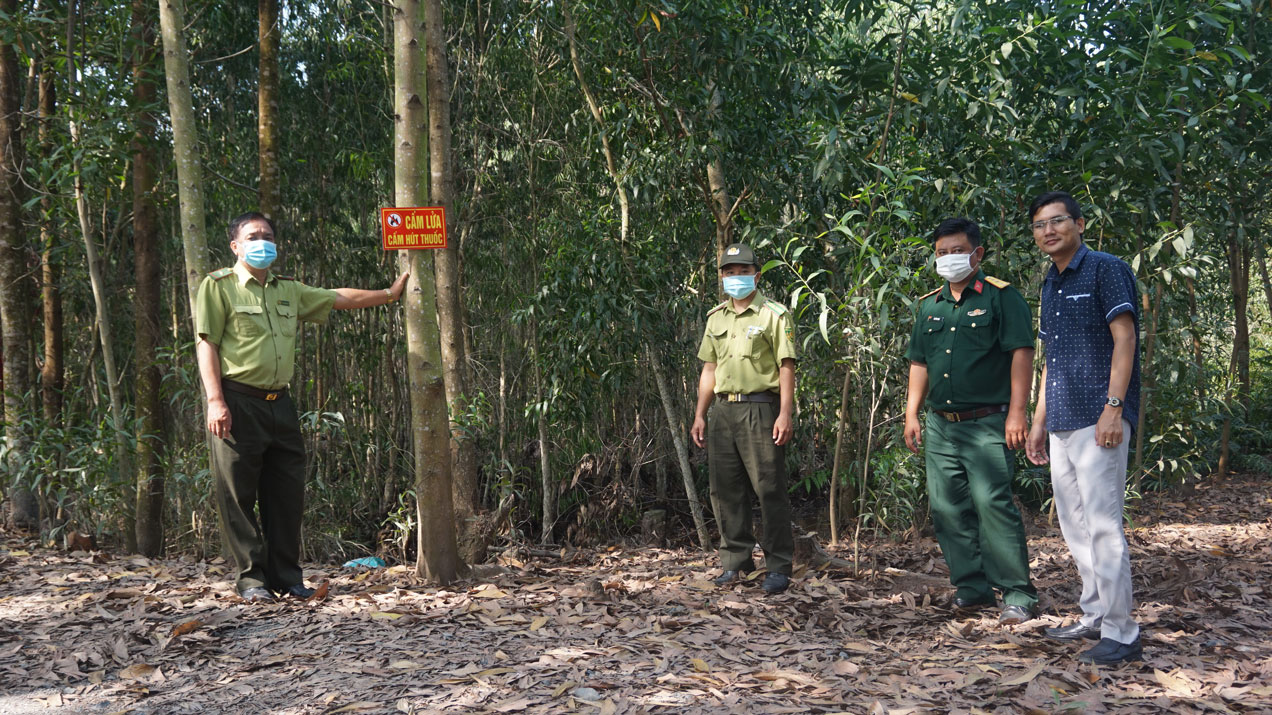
{"x":734,"y":397}
{"x":953,"y":417}
{"x":271,"y":396}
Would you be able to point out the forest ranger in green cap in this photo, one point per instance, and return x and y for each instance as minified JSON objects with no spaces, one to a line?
{"x":748,"y":355}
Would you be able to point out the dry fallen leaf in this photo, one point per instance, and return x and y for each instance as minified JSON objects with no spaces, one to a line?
{"x":189,"y":626}
{"x":1024,"y":677}
{"x":137,"y":671}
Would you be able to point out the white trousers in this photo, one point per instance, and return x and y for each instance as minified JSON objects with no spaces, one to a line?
{"x":1089,"y":484}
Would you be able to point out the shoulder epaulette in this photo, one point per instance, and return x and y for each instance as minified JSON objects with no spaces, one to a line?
{"x":284,"y":278}
{"x":775,"y":306}
{"x":220,"y":273}
{"x":996,"y":282}
{"x":717,"y":308}
{"x":929,"y":294}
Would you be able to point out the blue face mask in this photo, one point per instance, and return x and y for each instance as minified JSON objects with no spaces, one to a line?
{"x":259,"y":253}
{"x":738,"y":287}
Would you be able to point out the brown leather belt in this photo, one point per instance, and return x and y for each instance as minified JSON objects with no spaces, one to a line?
{"x":747,"y":397}
{"x":267,"y":395}
{"x":973,"y":414}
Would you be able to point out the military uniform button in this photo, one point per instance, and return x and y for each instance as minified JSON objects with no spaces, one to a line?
{"x":947,"y":352}
{"x":951,"y":328}
{"x":947,"y":374}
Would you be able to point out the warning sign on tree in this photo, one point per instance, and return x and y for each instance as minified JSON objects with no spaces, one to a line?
{"x":416,"y":227}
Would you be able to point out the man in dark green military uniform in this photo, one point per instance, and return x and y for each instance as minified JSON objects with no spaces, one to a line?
{"x":971,"y":356}
{"x":246,"y":319}
{"x":748,"y":355}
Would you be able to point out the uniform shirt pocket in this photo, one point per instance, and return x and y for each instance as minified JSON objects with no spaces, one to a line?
{"x":754,"y":341}
{"x":719,"y":342}
{"x":977,"y":327}
{"x":249,"y":320}
{"x":286,"y":320}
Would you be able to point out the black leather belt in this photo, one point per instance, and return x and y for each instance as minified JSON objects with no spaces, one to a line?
{"x":973,"y":414}
{"x":747,"y":397}
{"x":267,"y":395}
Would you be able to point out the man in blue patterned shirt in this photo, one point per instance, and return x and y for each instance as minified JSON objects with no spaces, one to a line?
{"x":1088,"y":403}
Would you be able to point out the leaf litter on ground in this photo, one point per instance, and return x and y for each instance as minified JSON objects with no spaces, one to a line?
{"x":638,"y":629}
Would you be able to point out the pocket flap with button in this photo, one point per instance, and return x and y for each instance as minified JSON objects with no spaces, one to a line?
{"x":249,"y":309}
{"x":719,"y":342}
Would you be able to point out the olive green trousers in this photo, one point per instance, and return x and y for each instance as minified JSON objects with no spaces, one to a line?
{"x":742,"y":460}
{"x":261,"y":466}
{"x":969,"y":473}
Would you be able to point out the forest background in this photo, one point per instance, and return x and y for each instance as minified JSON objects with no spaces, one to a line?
{"x":594,"y":158}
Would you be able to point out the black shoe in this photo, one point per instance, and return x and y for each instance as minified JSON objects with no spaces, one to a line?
{"x":298,"y":590}
{"x":1073,"y":632}
{"x":255,"y":593}
{"x":1110,"y":652}
{"x":1013,"y":615}
{"x":729,"y":576}
{"x":776,"y":582}
{"x":971,"y":604}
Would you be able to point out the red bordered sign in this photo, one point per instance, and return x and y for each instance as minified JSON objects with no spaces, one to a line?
{"x":413,"y":227}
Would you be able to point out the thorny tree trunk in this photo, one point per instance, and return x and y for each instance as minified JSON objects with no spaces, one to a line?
{"x":185,"y":147}
{"x":438,"y":552}
{"x":269,"y":190}
{"x":449,"y":309}
{"x":98,"y":283}
{"x":52,"y":373}
{"x":15,"y":288}
{"x":149,"y":407}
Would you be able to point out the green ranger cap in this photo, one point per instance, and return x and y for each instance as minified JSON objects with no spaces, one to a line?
{"x":737,"y":253}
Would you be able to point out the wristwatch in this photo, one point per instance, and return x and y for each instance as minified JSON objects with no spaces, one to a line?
{"x":1114,"y":401}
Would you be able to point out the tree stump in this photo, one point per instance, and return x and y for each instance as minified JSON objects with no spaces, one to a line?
{"x":653,"y":527}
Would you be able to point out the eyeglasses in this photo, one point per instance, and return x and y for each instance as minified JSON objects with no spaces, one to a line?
{"x":1056,"y":221}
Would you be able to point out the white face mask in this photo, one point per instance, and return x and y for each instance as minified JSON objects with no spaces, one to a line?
{"x":954,"y":267}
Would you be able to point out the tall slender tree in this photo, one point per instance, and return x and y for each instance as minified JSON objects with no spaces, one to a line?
{"x":15,"y":285}
{"x":52,"y":372}
{"x":269,"y":190}
{"x":185,"y":146}
{"x":147,"y":308}
{"x":450,"y":311}
{"x":438,"y":555}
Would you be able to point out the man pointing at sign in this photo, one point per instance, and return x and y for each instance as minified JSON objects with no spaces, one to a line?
{"x":246,"y":318}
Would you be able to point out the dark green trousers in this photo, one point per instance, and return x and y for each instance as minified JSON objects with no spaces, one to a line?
{"x":969,"y":472}
{"x":742,"y":460}
{"x":261,"y":465}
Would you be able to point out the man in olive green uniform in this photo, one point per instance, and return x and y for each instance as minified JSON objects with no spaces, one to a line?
{"x":971,"y":356}
{"x":748,"y":355}
{"x":246,"y":320}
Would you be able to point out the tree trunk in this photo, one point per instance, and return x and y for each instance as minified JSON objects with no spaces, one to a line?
{"x":449,"y":308}
{"x":1261,"y":260}
{"x":438,"y":552}
{"x":836,"y":462}
{"x":97,"y":281}
{"x":545,"y":462}
{"x":721,"y":208}
{"x":53,"y":372}
{"x":269,"y":190}
{"x":185,"y":147}
{"x":682,"y":451}
{"x":1239,"y":272}
{"x":148,"y":302}
{"x":15,"y":288}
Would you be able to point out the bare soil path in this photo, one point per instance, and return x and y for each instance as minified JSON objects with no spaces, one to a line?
{"x":643,"y":630}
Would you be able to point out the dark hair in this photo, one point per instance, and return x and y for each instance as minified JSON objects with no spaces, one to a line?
{"x":238,"y":222}
{"x":1053,"y":197}
{"x":951,"y":226}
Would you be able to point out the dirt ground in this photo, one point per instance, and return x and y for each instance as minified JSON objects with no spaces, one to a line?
{"x":643,"y":630}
